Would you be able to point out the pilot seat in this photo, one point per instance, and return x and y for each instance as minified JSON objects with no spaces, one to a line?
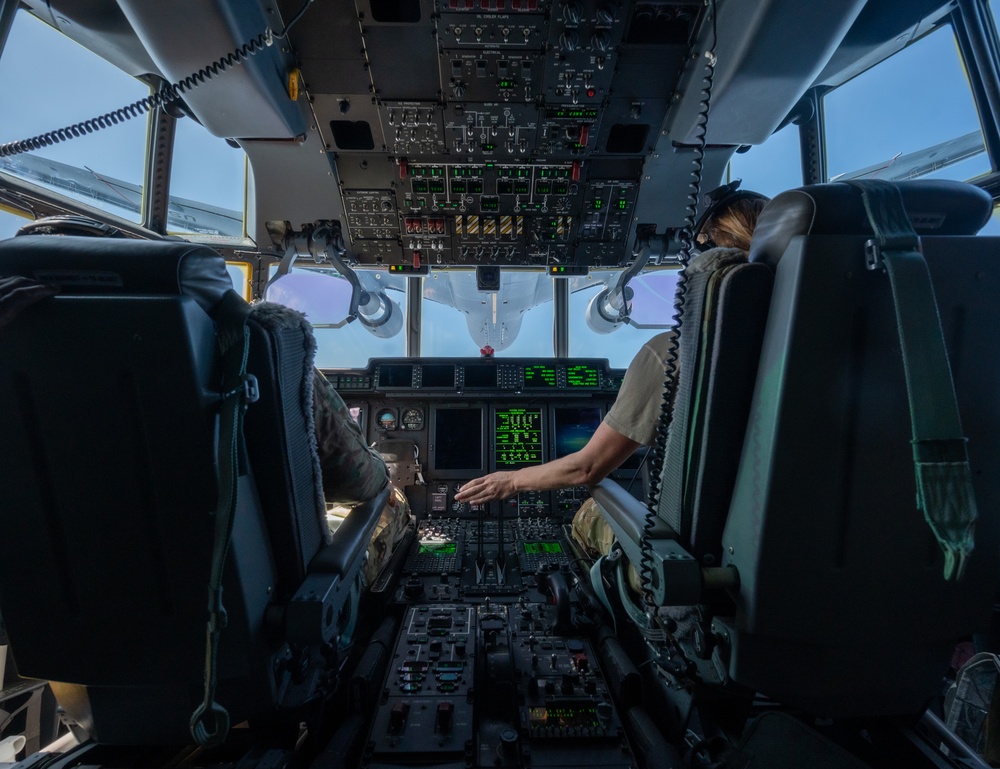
{"x":789,"y":510}
{"x":160,"y":487}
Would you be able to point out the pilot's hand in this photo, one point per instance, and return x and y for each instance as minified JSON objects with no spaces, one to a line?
{"x":493,"y":486}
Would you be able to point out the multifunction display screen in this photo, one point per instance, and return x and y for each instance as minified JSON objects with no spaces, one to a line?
{"x":582,"y":376}
{"x":438,"y":548}
{"x":517,"y":437}
{"x":539,"y":377}
{"x":395,"y":375}
{"x":574,"y":426}
{"x":458,"y":441}
{"x":542,"y":548}
{"x":437,"y":375}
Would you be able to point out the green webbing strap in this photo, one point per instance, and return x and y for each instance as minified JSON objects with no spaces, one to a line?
{"x":210,"y":721}
{"x":944,"y":481}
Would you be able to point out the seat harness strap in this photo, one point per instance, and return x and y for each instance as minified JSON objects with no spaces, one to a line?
{"x":210,"y":721}
{"x":943,"y":478}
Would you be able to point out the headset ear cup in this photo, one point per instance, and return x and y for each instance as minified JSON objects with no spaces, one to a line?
{"x":721,"y":198}
{"x":715,"y":200}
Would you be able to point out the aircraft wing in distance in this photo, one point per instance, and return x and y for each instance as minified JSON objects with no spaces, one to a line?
{"x":107,"y":192}
{"x":915,"y":164}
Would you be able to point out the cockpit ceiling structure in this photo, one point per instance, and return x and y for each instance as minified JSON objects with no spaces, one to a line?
{"x":476,"y":132}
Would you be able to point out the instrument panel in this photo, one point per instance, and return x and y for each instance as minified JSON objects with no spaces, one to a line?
{"x":483,"y":375}
{"x":464,"y":417}
{"x":469,"y":416}
{"x":494,"y":663}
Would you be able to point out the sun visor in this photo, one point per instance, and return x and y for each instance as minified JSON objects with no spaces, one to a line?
{"x":246,"y":99}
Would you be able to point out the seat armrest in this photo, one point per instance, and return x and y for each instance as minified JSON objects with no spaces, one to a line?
{"x":351,"y":539}
{"x":675,"y":578}
{"x":627,"y":518}
{"x":312,"y":616}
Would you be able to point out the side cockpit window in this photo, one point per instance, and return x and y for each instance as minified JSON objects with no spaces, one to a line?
{"x":910,"y":116}
{"x":49,"y":82}
{"x":207,"y":185}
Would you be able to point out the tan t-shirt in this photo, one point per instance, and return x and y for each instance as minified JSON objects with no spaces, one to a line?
{"x":637,"y":408}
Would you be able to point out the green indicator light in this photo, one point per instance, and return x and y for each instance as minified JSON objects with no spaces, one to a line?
{"x":598,"y":204}
{"x":622,"y":204}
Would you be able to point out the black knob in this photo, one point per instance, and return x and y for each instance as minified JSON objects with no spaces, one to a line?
{"x":508,"y":742}
{"x":413,"y":588}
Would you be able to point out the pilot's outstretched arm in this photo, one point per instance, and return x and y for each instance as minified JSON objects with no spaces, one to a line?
{"x":603,"y":453}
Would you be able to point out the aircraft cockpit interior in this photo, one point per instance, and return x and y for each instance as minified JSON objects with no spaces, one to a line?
{"x":284,"y":284}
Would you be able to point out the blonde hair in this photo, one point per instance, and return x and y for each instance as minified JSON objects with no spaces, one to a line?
{"x":733,"y":226}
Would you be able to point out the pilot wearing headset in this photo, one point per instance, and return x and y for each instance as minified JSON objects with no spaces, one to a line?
{"x":726,"y":225}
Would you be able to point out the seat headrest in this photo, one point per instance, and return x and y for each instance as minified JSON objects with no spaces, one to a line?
{"x":934,"y":207}
{"x":86,"y":265}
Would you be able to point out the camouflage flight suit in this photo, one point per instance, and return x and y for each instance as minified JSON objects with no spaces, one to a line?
{"x":354,"y":472}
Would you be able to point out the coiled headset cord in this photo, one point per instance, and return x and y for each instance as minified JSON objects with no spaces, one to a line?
{"x":672,"y":358}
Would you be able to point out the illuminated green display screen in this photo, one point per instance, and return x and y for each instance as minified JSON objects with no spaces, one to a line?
{"x":539,"y":377}
{"x":572,"y":714}
{"x":517,"y":437}
{"x":542,"y":548}
{"x":582,"y":376}
{"x":576,"y":113}
{"x":438,"y":548}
